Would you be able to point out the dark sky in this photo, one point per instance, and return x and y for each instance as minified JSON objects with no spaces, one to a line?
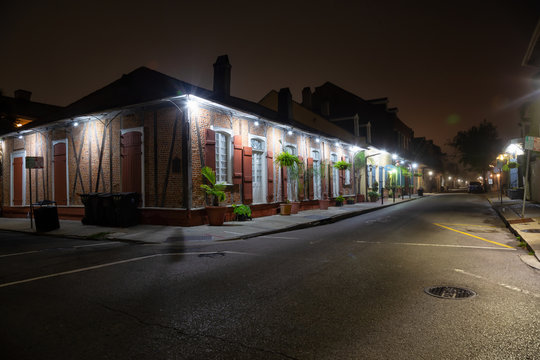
{"x":446,"y":65}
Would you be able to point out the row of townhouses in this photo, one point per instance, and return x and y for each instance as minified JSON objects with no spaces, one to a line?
{"x":152,"y":134}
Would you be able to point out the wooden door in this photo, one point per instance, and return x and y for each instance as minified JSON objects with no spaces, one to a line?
{"x":60,"y":184}
{"x":18,"y":180}
{"x":131,"y":162}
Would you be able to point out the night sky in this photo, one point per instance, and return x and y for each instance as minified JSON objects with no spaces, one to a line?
{"x":445,"y":65}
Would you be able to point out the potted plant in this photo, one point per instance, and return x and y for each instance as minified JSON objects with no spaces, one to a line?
{"x":216,"y":213}
{"x":292,"y":164}
{"x":242,"y":212}
{"x":350,"y":201}
{"x":359,"y":167}
{"x":339,"y":200}
{"x":342,"y":165}
{"x":373,"y":196}
{"x":285,"y":208}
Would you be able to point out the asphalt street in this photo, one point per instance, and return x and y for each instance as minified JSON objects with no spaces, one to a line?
{"x":349,"y":290}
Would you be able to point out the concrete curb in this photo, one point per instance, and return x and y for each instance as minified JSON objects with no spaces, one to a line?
{"x":326,"y":221}
{"x":516,"y":234}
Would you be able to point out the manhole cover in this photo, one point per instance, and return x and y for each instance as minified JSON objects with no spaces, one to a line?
{"x":449,"y":292}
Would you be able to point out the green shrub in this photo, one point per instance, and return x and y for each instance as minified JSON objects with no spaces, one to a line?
{"x":242,"y":210}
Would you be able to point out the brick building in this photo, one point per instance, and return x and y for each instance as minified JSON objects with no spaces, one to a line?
{"x":152,"y":134}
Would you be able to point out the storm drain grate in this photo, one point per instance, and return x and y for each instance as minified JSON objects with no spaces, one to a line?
{"x":449,"y":292}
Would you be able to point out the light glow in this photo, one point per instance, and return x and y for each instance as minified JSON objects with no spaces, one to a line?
{"x":514,"y":149}
{"x":394,"y":156}
{"x":414,"y":165}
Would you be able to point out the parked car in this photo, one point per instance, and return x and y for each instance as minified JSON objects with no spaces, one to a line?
{"x":475,"y":187}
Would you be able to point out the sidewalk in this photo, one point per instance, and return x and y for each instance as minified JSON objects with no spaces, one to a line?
{"x":234,"y":230}
{"x":528,"y":227}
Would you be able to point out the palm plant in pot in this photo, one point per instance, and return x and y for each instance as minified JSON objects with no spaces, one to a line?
{"x":216,"y":213}
{"x":288,"y":161}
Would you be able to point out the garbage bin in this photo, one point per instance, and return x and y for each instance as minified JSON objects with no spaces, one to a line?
{"x":92,"y":208}
{"x":420,"y":192}
{"x":46,"y":215}
{"x":125,"y":206}
{"x":107,"y":210}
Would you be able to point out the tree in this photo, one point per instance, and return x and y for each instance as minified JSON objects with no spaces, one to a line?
{"x":478,"y":146}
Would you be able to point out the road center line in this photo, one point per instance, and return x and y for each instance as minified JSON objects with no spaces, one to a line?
{"x":437,"y":245}
{"x":74,"y":271}
{"x":21,"y":253}
{"x":509,"y":287}
{"x":100,"y":244}
{"x":474,"y":236}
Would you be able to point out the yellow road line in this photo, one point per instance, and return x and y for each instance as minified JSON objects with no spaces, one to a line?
{"x":474,"y":236}
{"x":486,"y":226}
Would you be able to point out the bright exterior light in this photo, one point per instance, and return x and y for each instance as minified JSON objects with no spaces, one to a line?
{"x":449,"y":178}
{"x":430,"y":173}
{"x":75,"y":124}
{"x":414,"y":165}
{"x":256,"y":123}
{"x":394,"y":156}
{"x":289,"y":132}
{"x":192,"y":105}
{"x":20,"y":136}
{"x":18,"y":125}
{"x":317,"y":140}
{"x":514,"y":149}
{"x":337,"y":144}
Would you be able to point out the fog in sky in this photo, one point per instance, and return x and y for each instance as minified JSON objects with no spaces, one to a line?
{"x":445,"y":65}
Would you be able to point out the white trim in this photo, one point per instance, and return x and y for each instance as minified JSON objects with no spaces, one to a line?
{"x":141,"y":130}
{"x":65,"y":141}
{"x":264,"y":176}
{"x":14,"y":154}
{"x":230,"y":151}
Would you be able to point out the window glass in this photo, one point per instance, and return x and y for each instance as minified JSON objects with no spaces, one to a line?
{"x":222,"y":157}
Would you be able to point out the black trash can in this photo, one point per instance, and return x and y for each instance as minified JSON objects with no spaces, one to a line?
{"x":45,"y":215}
{"x":92,"y":208}
{"x":125,"y":205}
{"x":420,"y":192}
{"x":107,"y":210}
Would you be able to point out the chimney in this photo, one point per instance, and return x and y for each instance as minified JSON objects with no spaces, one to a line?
{"x":222,"y":76}
{"x":285,"y":103}
{"x":325,"y":108}
{"x":23,"y":94}
{"x":306,"y":97}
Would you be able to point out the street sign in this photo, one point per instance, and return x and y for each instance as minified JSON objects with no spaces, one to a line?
{"x":34,"y":162}
{"x":532,"y":143}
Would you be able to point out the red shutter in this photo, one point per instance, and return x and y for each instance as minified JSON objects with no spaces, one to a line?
{"x":248,"y":176}
{"x":310,"y":180}
{"x":330,"y":172}
{"x":210,"y":149}
{"x":341,"y":178}
{"x":301,"y":180}
{"x":270,"y":175}
{"x":237,"y":160}
{"x":60,"y":186}
{"x":284,"y":183}
{"x":17,"y":180}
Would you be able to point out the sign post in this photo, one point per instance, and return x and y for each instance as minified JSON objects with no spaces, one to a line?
{"x":33,"y":162}
{"x":531,"y":143}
